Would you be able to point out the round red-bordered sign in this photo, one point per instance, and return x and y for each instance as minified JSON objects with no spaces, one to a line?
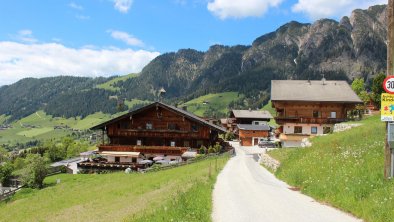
{"x":388,"y":84}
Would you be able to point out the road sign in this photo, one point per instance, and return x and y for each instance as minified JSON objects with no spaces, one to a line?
{"x":387,"y":107}
{"x":388,"y":84}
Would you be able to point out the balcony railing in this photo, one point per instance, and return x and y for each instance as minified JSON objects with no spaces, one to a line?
{"x":308,"y":120}
{"x":168,"y":150}
{"x":156,"y":133}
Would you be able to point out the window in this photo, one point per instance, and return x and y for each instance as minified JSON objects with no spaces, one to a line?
{"x":172,"y":126}
{"x":124,"y":125}
{"x":316,"y":114}
{"x":326,"y":130}
{"x":313,"y":130}
{"x":298,"y":129}
{"x":173,"y":143}
{"x":186,"y":143}
{"x":256,"y":123}
{"x":333,"y":115}
{"x":195,"y":128}
{"x":139,"y":142}
{"x":149,"y":126}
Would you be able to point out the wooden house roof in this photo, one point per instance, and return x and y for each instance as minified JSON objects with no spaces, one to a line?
{"x":314,"y":91}
{"x":179,"y":111}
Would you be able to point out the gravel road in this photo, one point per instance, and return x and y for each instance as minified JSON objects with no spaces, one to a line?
{"x":245,"y":191}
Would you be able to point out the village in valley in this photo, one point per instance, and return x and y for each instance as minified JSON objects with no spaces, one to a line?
{"x":300,"y":147}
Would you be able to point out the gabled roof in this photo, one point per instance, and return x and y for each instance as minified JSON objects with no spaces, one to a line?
{"x":253,"y":127}
{"x":314,"y":91}
{"x":252,"y":114}
{"x":182,"y":112}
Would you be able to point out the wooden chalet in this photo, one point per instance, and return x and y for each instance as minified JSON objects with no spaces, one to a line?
{"x":307,"y":108}
{"x":252,"y":117}
{"x":156,"y":130}
{"x":250,"y":135}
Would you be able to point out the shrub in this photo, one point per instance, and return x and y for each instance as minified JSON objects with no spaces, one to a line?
{"x":6,"y":173}
{"x":211,"y":150}
{"x":217,"y":148}
{"x":35,"y":171}
{"x":229,"y":136}
{"x":203,"y":150}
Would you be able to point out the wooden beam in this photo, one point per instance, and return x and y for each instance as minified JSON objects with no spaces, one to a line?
{"x":390,"y":71}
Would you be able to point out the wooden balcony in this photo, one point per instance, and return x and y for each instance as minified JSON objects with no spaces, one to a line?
{"x":156,"y":133}
{"x":167,"y":150}
{"x":308,"y":120}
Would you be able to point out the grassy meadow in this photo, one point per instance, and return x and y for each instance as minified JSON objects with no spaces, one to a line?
{"x":40,"y":126}
{"x":110,"y":85}
{"x":344,"y":170}
{"x":217,"y":101}
{"x":177,"y":194}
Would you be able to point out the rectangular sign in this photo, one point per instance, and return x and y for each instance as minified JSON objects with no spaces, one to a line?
{"x":390,"y":135}
{"x":387,"y":107}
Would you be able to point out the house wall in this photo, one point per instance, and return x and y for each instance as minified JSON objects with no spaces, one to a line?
{"x":305,"y":109}
{"x":288,"y":128}
{"x":246,"y":136}
{"x":124,"y":159}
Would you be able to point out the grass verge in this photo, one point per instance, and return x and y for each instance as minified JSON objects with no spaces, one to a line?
{"x":345,"y":170}
{"x":120,"y":197}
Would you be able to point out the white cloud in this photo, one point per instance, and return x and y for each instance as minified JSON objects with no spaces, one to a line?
{"x":123,"y":5}
{"x":25,"y":35}
{"x":241,"y":9}
{"x":316,"y":9}
{"x":75,"y":6}
{"x":18,"y":60}
{"x":126,"y":37}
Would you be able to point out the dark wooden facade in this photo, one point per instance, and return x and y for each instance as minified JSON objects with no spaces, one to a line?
{"x":311,"y":112}
{"x":158,"y":125}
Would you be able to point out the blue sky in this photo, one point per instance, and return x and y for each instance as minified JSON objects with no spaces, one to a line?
{"x":116,"y":37}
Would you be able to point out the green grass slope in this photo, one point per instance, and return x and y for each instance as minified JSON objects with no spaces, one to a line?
{"x":178,"y":194}
{"x":345,"y":170}
{"x":40,"y":126}
{"x":110,"y":84}
{"x":218,"y":102}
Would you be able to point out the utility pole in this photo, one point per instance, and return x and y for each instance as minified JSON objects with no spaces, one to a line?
{"x":388,"y":152}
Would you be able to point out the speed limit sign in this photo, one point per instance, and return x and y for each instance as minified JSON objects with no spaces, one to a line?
{"x":388,"y":84}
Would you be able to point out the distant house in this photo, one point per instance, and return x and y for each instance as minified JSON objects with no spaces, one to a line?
{"x":250,"y":135}
{"x":157,"y":130}
{"x":307,"y":108}
{"x":253,"y":117}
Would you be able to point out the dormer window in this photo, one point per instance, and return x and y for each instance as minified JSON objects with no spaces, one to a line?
{"x":149,"y":126}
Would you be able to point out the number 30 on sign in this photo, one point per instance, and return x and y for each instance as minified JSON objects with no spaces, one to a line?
{"x":388,"y":84}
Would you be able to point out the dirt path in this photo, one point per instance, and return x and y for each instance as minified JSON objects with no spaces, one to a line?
{"x":245,"y":191}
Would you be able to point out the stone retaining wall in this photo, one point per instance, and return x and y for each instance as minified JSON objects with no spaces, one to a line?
{"x":269,"y":162}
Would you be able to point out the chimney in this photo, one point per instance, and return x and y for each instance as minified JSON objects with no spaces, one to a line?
{"x":250,"y":109}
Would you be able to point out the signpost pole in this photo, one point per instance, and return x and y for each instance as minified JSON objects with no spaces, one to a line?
{"x":388,"y":153}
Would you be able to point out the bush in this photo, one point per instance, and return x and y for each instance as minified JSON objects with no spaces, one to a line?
{"x":217,"y":148}
{"x":229,"y":136}
{"x":203,"y":150}
{"x":6,"y":173}
{"x":35,"y":171}
{"x":211,"y":150}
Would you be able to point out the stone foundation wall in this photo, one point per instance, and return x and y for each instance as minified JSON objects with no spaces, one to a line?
{"x":269,"y":162}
